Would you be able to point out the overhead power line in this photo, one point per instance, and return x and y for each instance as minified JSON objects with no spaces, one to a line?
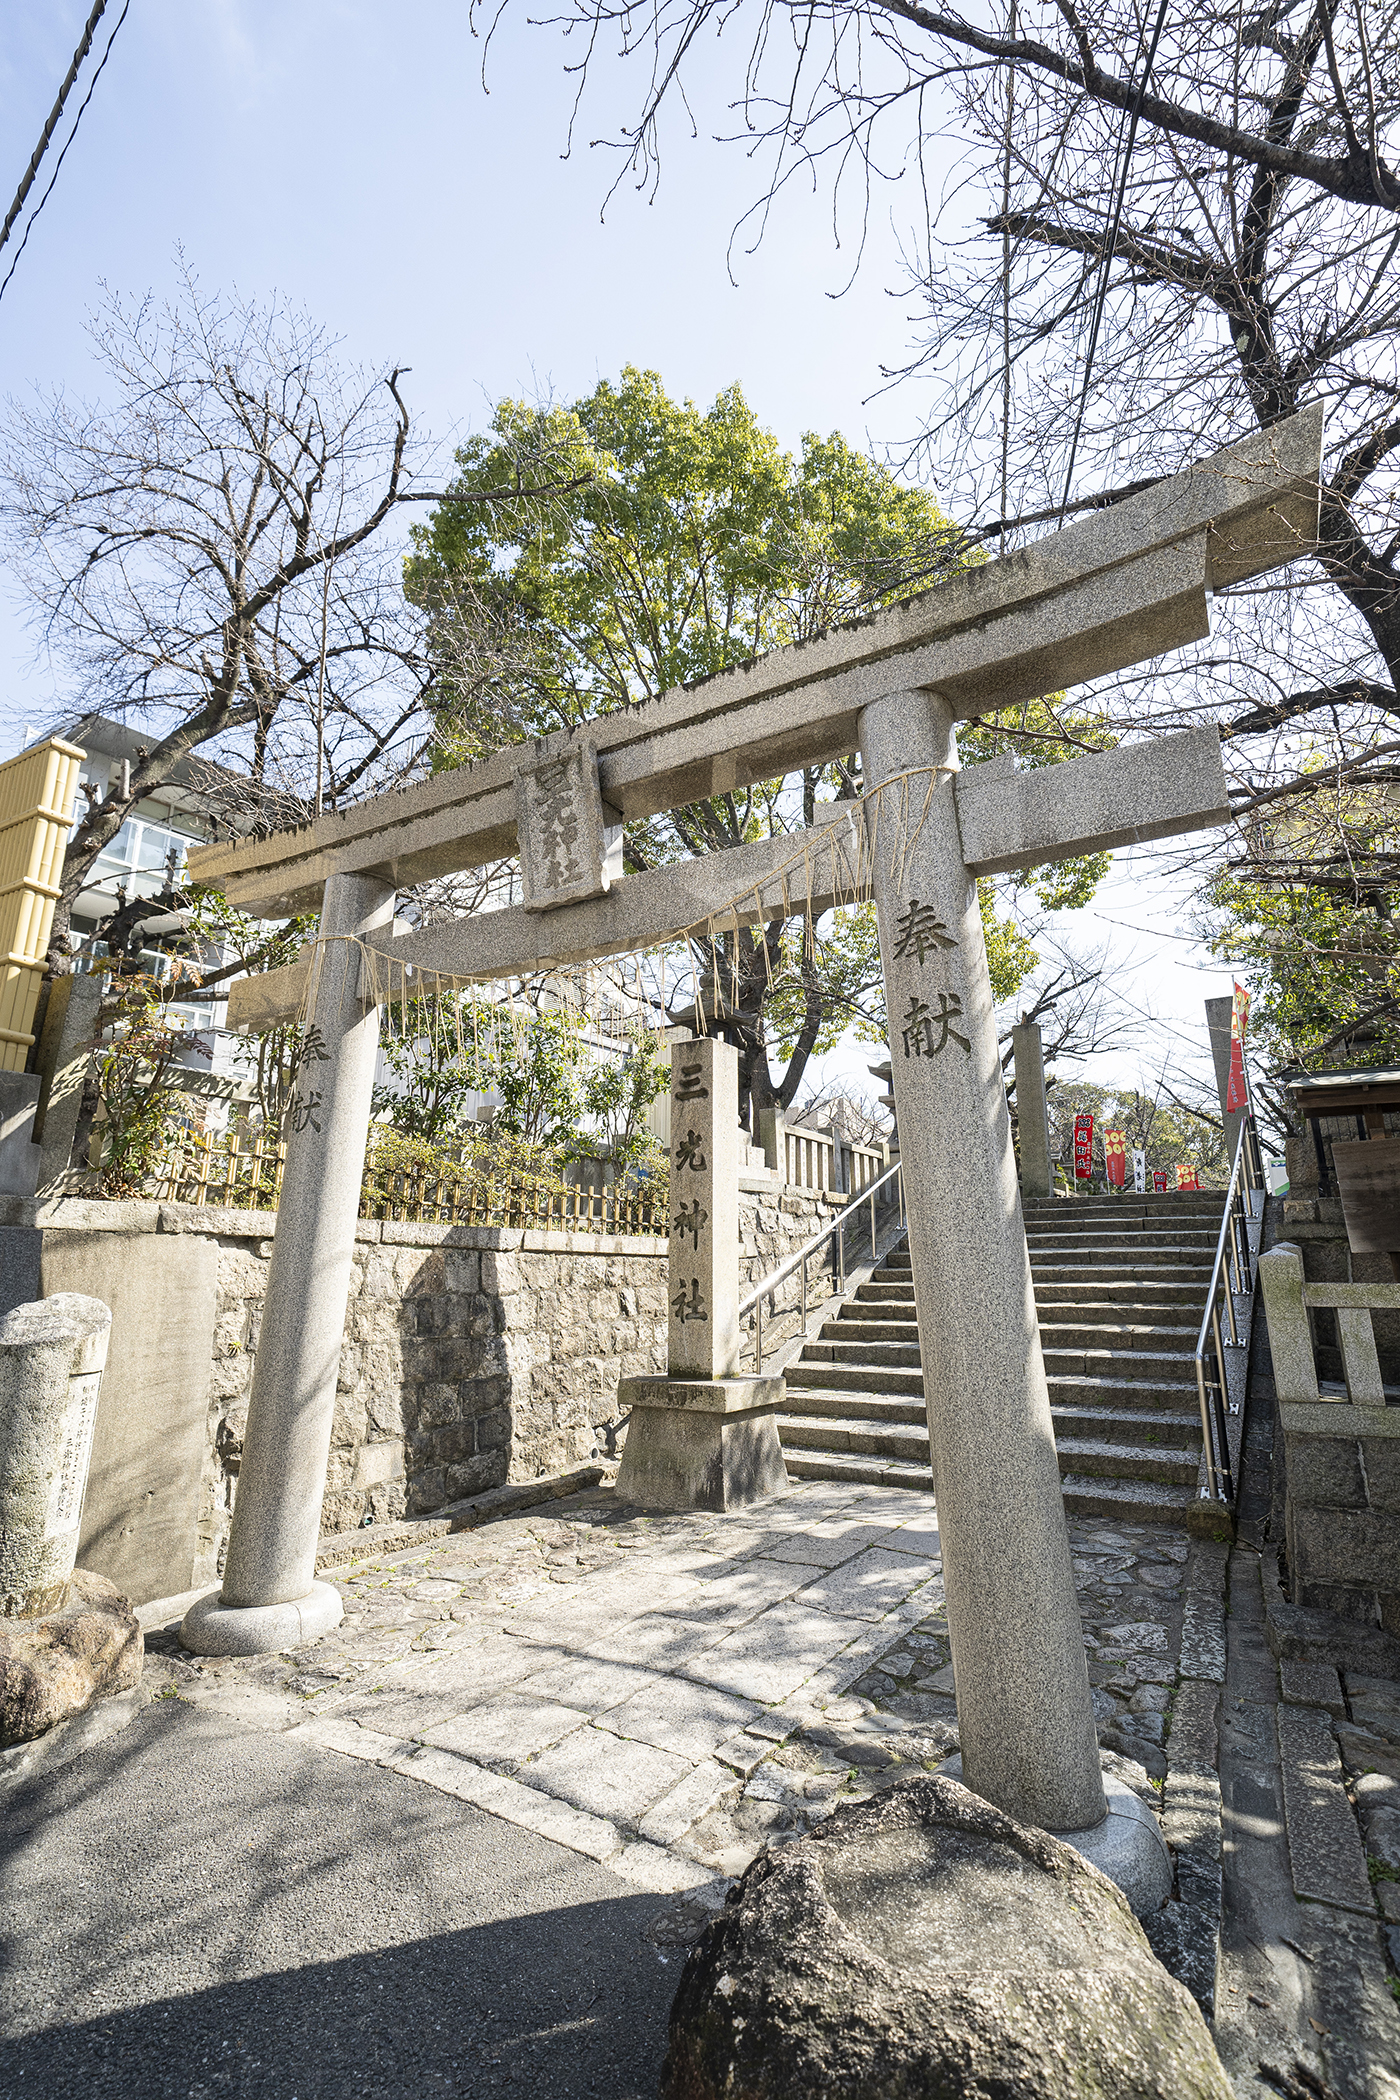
{"x":27,"y":183}
{"x":54,"y":114}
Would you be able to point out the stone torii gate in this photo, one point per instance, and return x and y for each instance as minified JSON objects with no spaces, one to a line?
{"x":1129,"y":583}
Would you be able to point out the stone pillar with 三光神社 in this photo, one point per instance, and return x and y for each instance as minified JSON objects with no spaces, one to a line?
{"x":704,"y":1436}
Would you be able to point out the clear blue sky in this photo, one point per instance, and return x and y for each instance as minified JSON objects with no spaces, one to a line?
{"x":343,"y":152}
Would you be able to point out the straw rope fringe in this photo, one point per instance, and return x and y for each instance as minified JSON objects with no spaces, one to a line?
{"x":893,"y":814}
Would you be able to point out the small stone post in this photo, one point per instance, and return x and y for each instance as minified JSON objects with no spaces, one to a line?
{"x":52,"y":1355}
{"x":1024,"y":1710}
{"x":270,"y":1597}
{"x":1032,"y":1111}
{"x":703,"y":1437}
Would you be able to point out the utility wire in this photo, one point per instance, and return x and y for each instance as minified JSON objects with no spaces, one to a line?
{"x":57,"y":110}
{"x":54,"y":114}
{"x":1101,"y":297}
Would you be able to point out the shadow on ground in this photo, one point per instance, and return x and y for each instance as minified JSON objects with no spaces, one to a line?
{"x":197,"y":1910}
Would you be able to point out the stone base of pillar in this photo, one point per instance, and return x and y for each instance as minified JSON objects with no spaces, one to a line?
{"x":1127,"y":1845}
{"x":212,"y":1627}
{"x":701,"y":1443}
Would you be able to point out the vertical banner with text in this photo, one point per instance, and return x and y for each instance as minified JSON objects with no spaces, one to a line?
{"x":1139,"y":1170}
{"x":1237,"y":1093}
{"x":1115,"y":1158}
{"x":1083,"y":1147}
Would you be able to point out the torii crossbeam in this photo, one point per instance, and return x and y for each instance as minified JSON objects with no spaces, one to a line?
{"x":1128,"y":584}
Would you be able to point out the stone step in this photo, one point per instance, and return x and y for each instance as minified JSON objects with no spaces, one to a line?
{"x":877,"y":1356}
{"x":1171,"y":1367}
{"x":855,"y":1434}
{"x":1116,"y":1334}
{"x":1133,"y":1501}
{"x":1102,"y":1291}
{"x":1175,"y":1396}
{"x":1147,"y":1261}
{"x":878,"y":1407}
{"x":1162,"y":1222}
{"x":863,"y":1472}
{"x":1087,"y":1246}
{"x":855,"y":1328}
{"x":1193,"y":1278}
{"x":878,"y":1301}
{"x":852,"y":1378}
{"x":1159,"y":1427}
{"x":1099,"y":1458}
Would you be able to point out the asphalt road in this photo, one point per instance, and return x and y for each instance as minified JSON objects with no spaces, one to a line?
{"x":196,"y":1910}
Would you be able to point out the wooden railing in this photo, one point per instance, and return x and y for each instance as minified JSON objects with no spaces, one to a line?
{"x":246,"y":1174}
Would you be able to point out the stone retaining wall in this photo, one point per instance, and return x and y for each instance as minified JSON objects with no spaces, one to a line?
{"x":472,"y":1356}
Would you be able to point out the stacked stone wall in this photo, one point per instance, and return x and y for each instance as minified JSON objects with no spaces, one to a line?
{"x":471,"y":1357}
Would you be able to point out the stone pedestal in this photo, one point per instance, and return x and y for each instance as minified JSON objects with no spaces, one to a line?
{"x":51,"y":1359}
{"x":1025,"y":1715}
{"x":701,"y":1444}
{"x":270,"y":1599}
{"x":1032,"y":1111}
{"x":703,"y":1437}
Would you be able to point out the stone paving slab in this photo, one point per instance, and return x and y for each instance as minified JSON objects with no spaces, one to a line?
{"x":1324,"y":1844}
{"x":606,"y":1774}
{"x":667,"y":1693}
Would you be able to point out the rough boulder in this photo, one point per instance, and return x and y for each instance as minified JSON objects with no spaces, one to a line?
{"x":922,"y":1946}
{"x":54,"y":1667}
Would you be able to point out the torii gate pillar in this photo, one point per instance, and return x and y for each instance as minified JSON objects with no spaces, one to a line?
{"x":270,"y":1597}
{"x":1025,"y":1714}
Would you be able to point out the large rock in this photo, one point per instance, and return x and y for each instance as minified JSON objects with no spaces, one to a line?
{"x":922,"y":1946}
{"x":54,"y":1667}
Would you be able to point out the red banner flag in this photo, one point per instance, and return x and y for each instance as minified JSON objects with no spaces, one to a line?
{"x":1115,"y":1157}
{"x":1188,"y":1177}
{"x":1237,"y":1092}
{"x":1159,"y":1181}
{"x":1083,"y":1147}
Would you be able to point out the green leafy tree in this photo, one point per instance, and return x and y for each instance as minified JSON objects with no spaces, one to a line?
{"x":692,"y":543}
{"x":617,"y":1095}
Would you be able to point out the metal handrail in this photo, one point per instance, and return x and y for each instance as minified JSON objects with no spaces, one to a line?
{"x":1235,"y":1270}
{"x":800,"y":1257}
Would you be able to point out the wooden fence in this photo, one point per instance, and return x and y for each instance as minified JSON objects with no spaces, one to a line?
{"x":246,"y":1174}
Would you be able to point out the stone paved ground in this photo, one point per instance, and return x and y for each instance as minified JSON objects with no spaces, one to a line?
{"x":666,"y":1694}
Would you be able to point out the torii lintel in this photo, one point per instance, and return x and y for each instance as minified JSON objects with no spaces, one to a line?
{"x":1131,"y":581}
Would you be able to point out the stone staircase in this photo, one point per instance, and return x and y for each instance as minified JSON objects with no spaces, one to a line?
{"x":1120,"y":1283}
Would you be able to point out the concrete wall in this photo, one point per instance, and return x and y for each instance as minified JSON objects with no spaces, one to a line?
{"x":472,"y":1356}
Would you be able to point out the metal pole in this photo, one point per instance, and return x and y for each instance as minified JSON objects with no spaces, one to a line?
{"x":758,"y":1340}
{"x":872,"y":1228}
{"x":804,"y":1294}
{"x":1207,"y":1436}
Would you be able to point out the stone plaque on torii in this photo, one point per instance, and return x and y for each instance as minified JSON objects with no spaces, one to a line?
{"x":1127,"y":584}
